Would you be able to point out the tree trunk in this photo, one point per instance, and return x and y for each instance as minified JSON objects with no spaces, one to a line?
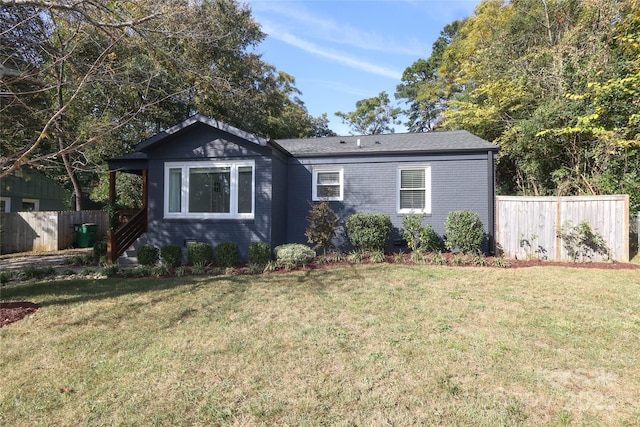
{"x":77,"y":190}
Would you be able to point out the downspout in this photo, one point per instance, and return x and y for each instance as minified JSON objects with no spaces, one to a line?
{"x":491,"y":227}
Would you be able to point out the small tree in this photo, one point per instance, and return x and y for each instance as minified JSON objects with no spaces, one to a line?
{"x":323,"y":222}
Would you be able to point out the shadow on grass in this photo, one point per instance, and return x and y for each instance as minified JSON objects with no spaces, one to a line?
{"x":66,"y":292}
{"x":72,"y":291}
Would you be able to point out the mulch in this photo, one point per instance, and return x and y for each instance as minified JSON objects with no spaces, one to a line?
{"x":12,"y":311}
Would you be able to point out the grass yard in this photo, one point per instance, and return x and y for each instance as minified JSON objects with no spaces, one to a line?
{"x":365,"y":345}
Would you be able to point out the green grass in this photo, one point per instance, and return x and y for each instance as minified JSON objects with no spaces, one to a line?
{"x":356,"y":345}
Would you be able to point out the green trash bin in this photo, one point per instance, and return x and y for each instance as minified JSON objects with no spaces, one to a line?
{"x":86,"y":235}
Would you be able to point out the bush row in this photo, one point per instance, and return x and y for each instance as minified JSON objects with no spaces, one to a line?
{"x":226,"y":254}
{"x":464,"y":232}
{"x":368,"y":232}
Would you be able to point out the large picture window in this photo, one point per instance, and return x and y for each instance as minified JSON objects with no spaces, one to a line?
{"x":327,"y":185}
{"x":414,"y":189}
{"x":209,"y":190}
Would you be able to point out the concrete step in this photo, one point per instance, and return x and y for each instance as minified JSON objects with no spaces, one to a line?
{"x":129,"y":257}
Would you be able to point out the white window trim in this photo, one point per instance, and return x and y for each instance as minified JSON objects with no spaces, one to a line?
{"x":7,"y":203}
{"x":314,"y":185}
{"x":36,"y":204}
{"x":184,"y":198}
{"x":427,"y":189}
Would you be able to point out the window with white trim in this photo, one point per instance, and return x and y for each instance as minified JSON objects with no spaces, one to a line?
{"x":5,"y":204}
{"x":328,"y":184}
{"x":216,"y":189}
{"x":414,"y":189}
{"x":30,"y":205}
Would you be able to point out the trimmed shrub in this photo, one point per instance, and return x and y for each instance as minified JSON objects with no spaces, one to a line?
{"x":368,"y":232}
{"x":293,"y":254}
{"x":199,"y":253}
{"x":148,"y":255}
{"x":259,"y":253}
{"x":171,"y":255}
{"x":226,"y":254}
{"x":464,"y":231}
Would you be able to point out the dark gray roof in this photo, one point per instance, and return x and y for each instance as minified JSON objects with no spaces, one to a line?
{"x":199,"y":118}
{"x":131,"y":156}
{"x":428,"y":142}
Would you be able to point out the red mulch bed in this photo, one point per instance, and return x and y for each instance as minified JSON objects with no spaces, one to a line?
{"x":12,"y":311}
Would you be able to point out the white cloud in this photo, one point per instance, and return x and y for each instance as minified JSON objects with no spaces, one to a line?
{"x":297,"y":20}
{"x":338,"y":57}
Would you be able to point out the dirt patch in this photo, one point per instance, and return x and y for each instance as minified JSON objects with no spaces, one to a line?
{"x":12,"y":311}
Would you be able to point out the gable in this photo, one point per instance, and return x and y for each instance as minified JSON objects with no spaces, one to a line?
{"x":202,"y":141}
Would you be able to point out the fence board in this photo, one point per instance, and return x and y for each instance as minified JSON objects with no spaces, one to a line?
{"x":46,"y":231}
{"x":527,"y":227}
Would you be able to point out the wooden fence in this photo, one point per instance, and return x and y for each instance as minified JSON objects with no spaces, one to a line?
{"x":46,"y":231}
{"x":527,"y":227}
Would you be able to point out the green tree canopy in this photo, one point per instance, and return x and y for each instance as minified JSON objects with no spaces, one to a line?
{"x":553,"y":82}
{"x":83,"y":81}
{"x":372,"y":116}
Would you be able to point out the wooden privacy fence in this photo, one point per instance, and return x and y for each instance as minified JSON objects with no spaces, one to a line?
{"x":528,"y":227}
{"x":46,"y":231}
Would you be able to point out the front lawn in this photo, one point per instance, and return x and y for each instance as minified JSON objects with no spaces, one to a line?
{"x":377,"y":344}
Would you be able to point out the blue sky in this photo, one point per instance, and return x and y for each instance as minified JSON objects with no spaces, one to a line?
{"x":343,"y":51}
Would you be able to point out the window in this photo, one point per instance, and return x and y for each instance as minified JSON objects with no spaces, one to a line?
{"x":327,"y":184}
{"x":209,"y":190}
{"x":30,"y":205}
{"x":5,"y":204}
{"x":414,"y":189}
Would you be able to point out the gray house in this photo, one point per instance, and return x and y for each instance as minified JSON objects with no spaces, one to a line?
{"x":210,"y":182}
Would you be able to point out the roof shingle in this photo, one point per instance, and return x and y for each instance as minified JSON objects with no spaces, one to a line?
{"x":388,"y":143}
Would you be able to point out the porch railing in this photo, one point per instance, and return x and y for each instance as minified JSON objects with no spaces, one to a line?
{"x":123,"y":237}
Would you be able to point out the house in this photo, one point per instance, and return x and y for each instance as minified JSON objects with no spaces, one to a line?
{"x":206,"y":181}
{"x":28,"y":190}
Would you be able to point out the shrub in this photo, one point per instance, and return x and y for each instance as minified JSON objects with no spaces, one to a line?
{"x":100,"y":249}
{"x":464,"y":231}
{"x":259,"y":253}
{"x":199,"y":253}
{"x":368,"y":232}
{"x":160,"y":270}
{"x":171,"y":255}
{"x":323,"y":223}
{"x":5,"y":277}
{"x":411,"y":228}
{"x":199,"y":267}
{"x":355,"y":257}
{"x":147,"y":255}
{"x":377,"y":256}
{"x":110,"y":270}
{"x":293,"y":254}
{"x":226,"y":254}
{"x":501,"y":262}
{"x":430,"y":240}
{"x":419,"y":238}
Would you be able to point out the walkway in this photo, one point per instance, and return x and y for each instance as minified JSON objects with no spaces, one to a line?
{"x":58,"y":259}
